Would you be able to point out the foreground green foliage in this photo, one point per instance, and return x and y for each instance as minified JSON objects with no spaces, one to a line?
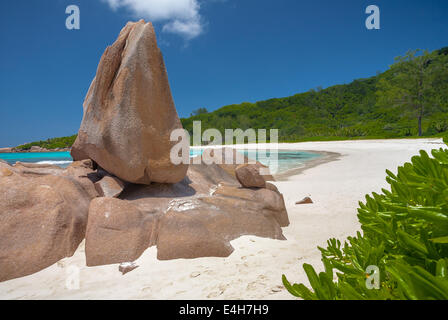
{"x":405,"y":234}
{"x":64,"y":142}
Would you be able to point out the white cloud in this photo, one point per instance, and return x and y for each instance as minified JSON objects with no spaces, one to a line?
{"x":179,"y":16}
{"x":189,"y":29}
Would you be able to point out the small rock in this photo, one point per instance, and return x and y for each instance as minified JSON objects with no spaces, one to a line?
{"x":109,"y":186}
{"x":126,"y":267}
{"x":249,"y":176}
{"x":277,"y":289}
{"x":306,"y":200}
{"x":195,"y":274}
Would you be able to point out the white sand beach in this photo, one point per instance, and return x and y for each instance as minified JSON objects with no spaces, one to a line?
{"x":255,"y":268}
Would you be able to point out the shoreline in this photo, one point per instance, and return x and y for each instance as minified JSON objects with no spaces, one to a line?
{"x":324,"y":158}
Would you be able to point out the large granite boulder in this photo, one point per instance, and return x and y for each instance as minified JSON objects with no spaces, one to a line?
{"x":204,"y":226}
{"x":269,"y":202}
{"x":129,"y":113}
{"x":80,"y":171}
{"x":42,"y":220}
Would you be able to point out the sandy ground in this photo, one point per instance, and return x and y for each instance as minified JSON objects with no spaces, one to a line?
{"x":255,"y":268}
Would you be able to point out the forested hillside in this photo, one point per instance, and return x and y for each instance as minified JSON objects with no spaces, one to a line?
{"x":388,"y":105}
{"x":53,"y":143}
{"x":369,"y":107}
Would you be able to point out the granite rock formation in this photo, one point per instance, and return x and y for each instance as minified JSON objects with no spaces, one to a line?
{"x":129,"y":113}
{"x":43,"y":219}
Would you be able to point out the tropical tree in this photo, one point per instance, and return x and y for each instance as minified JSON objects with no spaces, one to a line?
{"x":411,"y":82}
{"x":198,"y":112}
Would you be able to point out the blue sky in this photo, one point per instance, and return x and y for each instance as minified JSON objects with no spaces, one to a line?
{"x":217,"y":52}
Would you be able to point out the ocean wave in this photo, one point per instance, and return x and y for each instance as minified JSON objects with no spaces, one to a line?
{"x":54,"y":162}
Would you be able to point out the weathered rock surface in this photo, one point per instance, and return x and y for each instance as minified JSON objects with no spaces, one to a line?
{"x":109,"y":186}
{"x":264,"y":200}
{"x":117,"y":231}
{"x":5,"y":169}
{"x":42,"y":220}
{"x":35,"y":169}
{"x":80,"y":171}
{"x":83,"y":173}
{"x":129,"y":112}
{"x":249,"y":176}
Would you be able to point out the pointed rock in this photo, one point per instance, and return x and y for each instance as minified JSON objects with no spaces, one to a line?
{"x":129,"y":113}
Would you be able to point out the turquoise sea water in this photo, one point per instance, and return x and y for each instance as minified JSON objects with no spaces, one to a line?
{"x":282,"y":159}
{"x":62,"y":159}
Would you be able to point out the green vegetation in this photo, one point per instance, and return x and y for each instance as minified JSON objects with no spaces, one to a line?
{"x":405,"y":234}
{"x":384,"y":106}
{"x":414,"y":83}
{"x":198,"y":112}
{"x":408,"y":100}
{"x":64,"y":142}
